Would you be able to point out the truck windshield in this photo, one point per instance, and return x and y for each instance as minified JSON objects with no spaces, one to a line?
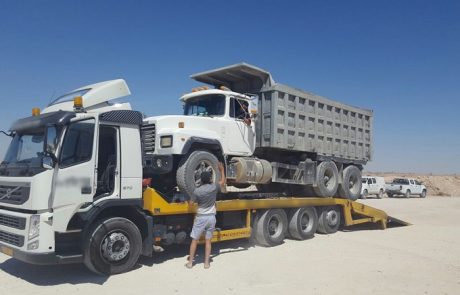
{"x":206,"y":105}
{"x":24,"y":155}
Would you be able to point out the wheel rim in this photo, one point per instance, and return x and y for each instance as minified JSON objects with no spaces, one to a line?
{"x":202,"y":166}
{"x":329,"y":179}
{"x":115,"y":246}
{"x":305,"y":222}
{"x":332,"y":218}
{"x":274,"y":226}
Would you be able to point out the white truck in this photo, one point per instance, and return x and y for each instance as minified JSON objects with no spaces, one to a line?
{"x":405,"y":187}
{"x":73,"y":180}
{"x":372,"y":185}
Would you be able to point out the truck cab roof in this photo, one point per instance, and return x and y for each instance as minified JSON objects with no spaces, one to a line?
{"x":213,"y":91}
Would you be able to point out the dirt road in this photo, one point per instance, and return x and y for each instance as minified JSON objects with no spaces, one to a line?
{"x":420,"y":259}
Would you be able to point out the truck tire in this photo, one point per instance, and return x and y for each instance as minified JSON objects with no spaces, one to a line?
{"x":350,"y":188}
{"x":407,"y":195}
{"x":380,"y":194}
{"x":329,"y":220}
{"x":364,"y":194}
{"x":190,"y":168}
{"x":423,"y":194}
{"x":112,"y":245}
{"x":270,"y":227}
{"x":303,"y":223}
{"x":327,"y":177}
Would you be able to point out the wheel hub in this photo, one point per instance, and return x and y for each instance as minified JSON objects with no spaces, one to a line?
{"x":304,"y":222}
{"x":115,"y":246}
{"x":201,"y":167}
{"x":332,"y":218}
{"x":273,"y":226}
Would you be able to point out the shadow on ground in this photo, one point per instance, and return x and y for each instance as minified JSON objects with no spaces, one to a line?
{"x":52,"y":275}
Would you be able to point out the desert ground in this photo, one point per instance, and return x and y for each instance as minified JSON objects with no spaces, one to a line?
{"x":423,"y":258}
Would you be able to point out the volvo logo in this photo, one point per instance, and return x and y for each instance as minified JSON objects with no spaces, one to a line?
{"x":9,"y":192}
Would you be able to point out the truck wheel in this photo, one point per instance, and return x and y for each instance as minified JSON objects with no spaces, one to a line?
{"x":350,"y":188}
{"x":423,"y":194}
{"x":365,"y":194}
{"x":190,"y":168}
{"x":270,"y":227}
{"x":329,"y":220}
{"x":380,"y":194}
{"x":302,"y":223}
{"x":327,"y":177}
{"x":407,"y":195}
{"x":112,"y":246}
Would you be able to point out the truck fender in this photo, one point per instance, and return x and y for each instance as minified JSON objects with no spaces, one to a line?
{"x":207,"y":143}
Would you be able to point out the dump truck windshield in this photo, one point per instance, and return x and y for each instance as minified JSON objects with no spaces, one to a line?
{"x":206,"y":105}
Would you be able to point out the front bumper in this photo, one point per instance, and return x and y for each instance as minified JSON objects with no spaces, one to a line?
{"x":49,"y":258}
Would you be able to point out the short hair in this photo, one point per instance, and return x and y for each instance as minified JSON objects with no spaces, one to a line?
{"x":205,"y":177}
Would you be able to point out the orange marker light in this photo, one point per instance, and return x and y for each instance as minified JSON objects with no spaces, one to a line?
{"x":78,"y":102}
{"x":181,"y":124}
{"x":35,"y":112}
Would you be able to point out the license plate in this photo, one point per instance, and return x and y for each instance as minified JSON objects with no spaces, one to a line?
{"x":6,"y":250}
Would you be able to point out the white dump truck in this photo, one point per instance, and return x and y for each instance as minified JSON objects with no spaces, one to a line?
{"x":276,"y":137}
{"x":74,"y":181}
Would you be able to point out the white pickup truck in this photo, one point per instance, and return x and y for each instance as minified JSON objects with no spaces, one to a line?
{"x":405,"y":187}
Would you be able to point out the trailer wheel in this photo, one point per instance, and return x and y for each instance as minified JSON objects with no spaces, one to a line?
{"x":423,"y":194}
{"x":270,"y":227}
{"x":350,"y":188}
{"x":407,"y":195}
{"x":112,"y":246}
{"x":380,"y":194}
{"x":329,"y":220}
{"x":303,"y":223}
{"x":327,"y":177}
{"x":190,"y":168}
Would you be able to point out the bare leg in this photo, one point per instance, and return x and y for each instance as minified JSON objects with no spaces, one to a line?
{"x":207,"y":253}
{"x":192,"y":253}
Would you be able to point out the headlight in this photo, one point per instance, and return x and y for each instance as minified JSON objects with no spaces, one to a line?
{"x":34,"y":226}
{"x":166,"y":141}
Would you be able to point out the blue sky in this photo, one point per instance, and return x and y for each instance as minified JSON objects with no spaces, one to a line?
{"x":399,"y":58}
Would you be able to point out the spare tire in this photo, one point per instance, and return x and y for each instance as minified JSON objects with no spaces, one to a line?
{"x":327,"y":179}
{"x":190,"y":168}
{"x":350,"y":188}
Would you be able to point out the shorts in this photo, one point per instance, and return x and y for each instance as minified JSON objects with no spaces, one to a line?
{"x":203,"y":223}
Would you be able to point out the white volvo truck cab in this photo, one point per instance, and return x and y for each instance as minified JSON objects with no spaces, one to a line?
{"x":64,"y":168}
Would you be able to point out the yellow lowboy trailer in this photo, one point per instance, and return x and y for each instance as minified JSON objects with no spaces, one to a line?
{"x":267,"y":220}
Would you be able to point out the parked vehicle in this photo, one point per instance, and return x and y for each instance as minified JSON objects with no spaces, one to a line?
{"x":372,"y":185}
{"x":405,"y":187}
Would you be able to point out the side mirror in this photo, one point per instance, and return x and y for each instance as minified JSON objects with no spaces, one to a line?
{"x":48,"y":162}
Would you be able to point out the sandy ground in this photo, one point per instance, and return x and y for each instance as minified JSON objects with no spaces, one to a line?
{"x":423,"y":258}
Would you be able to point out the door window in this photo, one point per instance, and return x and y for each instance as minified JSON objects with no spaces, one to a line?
{"x":78,"y":143}
{"x":239,"y":109}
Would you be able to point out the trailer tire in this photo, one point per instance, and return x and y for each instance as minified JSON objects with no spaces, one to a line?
{"x":112,"y":245}
{"x":303,"y":223}
{"x":327,"y":177}
{"x":271,"y":227}
{"x":350,"y":188}
{"x":329,"y":220}
{"x":189,"y":170}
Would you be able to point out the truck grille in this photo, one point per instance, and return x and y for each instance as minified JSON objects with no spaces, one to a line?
{"x":148,"y":138}
{"x":13,"y":221}
{"x":16,"y":195}
{"x":12,"y":239}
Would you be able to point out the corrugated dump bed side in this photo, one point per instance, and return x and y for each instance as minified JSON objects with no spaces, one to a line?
{"x":292,"y":119}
